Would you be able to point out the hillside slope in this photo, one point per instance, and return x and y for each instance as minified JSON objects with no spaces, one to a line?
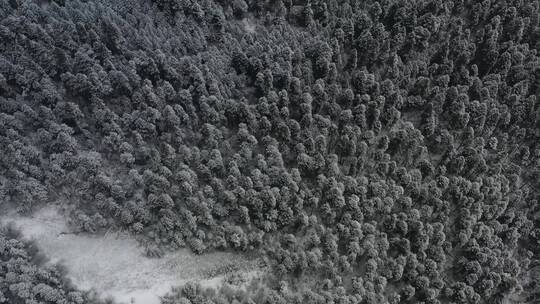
{"x":369,"y":151}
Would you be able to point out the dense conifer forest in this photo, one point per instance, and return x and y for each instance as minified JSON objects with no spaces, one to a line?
{"x":370,"y":152}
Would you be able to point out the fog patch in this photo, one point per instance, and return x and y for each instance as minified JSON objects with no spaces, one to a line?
{"x":114,"y":264}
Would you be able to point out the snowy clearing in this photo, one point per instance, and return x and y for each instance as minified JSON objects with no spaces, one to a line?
{"x":114,"y":264}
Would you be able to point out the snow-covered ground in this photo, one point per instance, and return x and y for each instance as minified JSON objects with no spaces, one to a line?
{"x":114,"y":265}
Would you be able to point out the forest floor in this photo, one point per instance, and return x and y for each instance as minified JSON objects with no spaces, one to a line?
{"x":114,"y":265}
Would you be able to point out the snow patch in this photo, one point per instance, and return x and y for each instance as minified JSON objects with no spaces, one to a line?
{"x":114,"y":265}
{"x":249,"y":26}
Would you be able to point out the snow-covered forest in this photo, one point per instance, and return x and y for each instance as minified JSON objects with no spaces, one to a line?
{"x":344,"y":151}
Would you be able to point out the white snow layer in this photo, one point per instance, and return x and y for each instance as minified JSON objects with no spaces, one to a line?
{"x":114,"y":265}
